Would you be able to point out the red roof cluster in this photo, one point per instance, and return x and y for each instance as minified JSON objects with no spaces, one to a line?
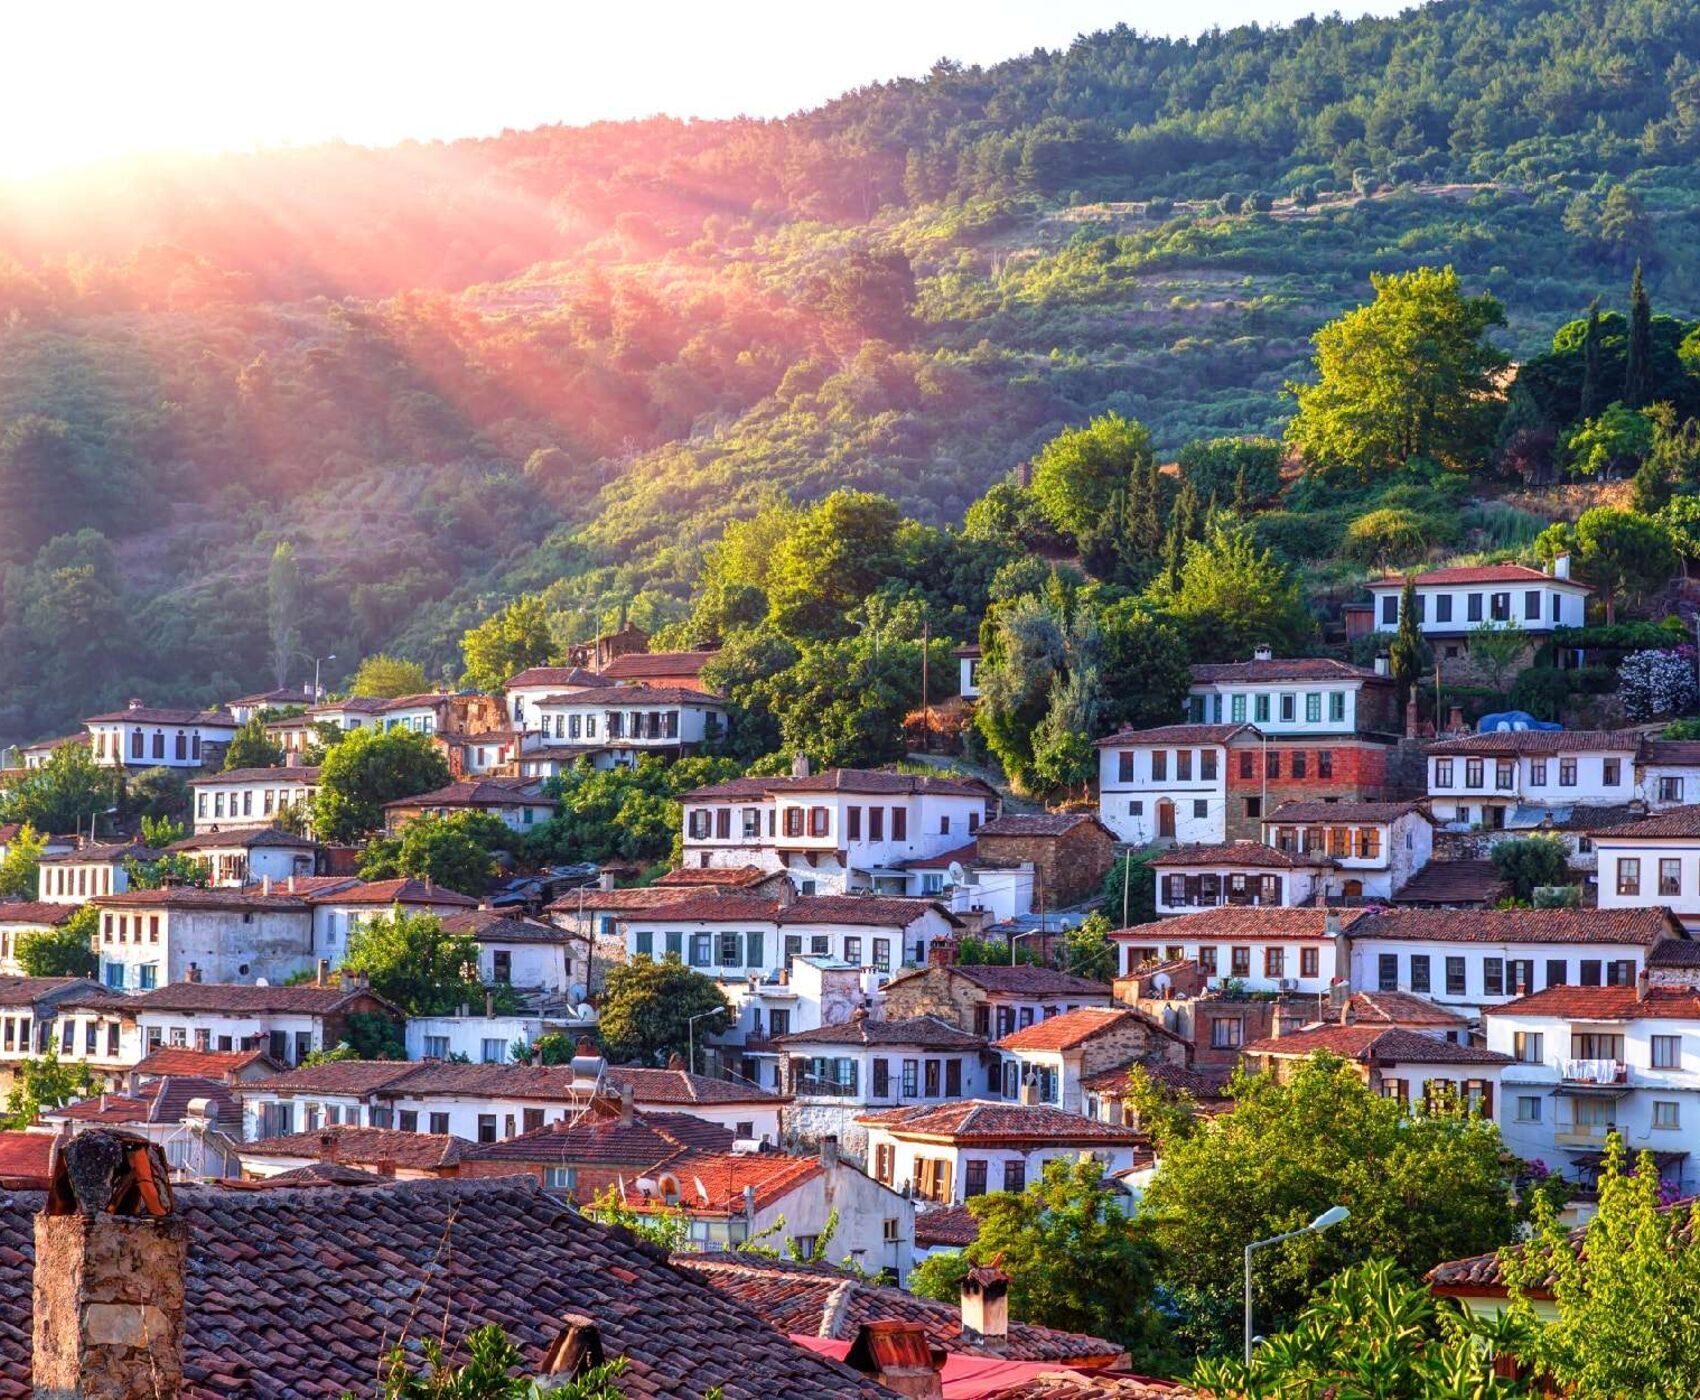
{"x":1656,"y":1002}
{"x":1380,"y":1045}
{"x":1076,"y":1027}
{"x":1176,"y":734}
{"x":991,"y":1120}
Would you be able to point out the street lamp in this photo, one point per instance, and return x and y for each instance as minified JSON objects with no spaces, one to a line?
{"x":1327,"y":1220}
{"x":691,"y":1033}
{"x":308,"y":656}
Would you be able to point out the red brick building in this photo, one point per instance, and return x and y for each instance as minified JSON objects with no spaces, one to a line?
{"x":1310,"y":770}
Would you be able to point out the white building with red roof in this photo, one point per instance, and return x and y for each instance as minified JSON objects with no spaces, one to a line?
{"x":1372,"y":848}
{"x":1300,"y":697}
{"x":1528,"y":778}
{"x":1652,"y":860}
{"x":1450,"y":602}
{"x":615,"y":725}
{"x":147,"y":736}
{"x":1052,"y":1058}
{"x":526,"y":688}
{"x":1411,"y":1066}
{"x":1247,"y":874}
{"x":1170,"y":784}
{"x":1246,"y":948}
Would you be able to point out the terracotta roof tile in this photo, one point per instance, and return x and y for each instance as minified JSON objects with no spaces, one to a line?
{"x":163,"y":1100}
{"x":1607,"y":1004}
{"x":28,"y":991}
{"x":631,"y":695}
{"x":1246,"y":853}
{"x":479,"y":792}
{"x":1240,"y":921}
{"x":108,"y":853}
{"x":35,"y":912}
{"x":1475,"y":573}
{"x":304,"y":999}
{"x":1590,"y":926}
{"x":366,"y":1146}
{"x":1454,"y":882}
{"x":1077,"y":1027}
{"x":557,"y":675}
{"x":24,"y":1160}
{"x":207,"y":1064}
{"x":598,"y":1136}
{"x":615,"y":901}
{"x":281,"y":773}
{"x":987,"y":1120}
{"x":1294,"y":668}
{"x":1201,"y":1084}
{"x":1401,"y":1009}
{"x":923,"y":1032}
{"x":1677,"y":821}
{"x":712,"y":1183}
{"x":1538,"y":741}
{"x":1019,"y":979}
{"x":244,"y":838}
{"x":551,"y":1083}
{"x":1177,"y":734}
{"x":946,"y":1227}
{"x":497,"y":926}
{"x":1343,"y":811}
{"x":1037,"y":823}
{"x":867,"y":910}
{"x":188,"y":897}
{"x":400,"y":891}
{"x":642,"y":665}
{"x":211,"y":719}
{"x":730,"y":876}
{"x":1377,"y":1045}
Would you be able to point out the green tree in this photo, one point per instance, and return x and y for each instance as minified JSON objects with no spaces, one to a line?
{"x":424,"y":1372}
{"x":452,"y":851}
{"x":65,"y":951}
{"x":1495,"y":647}
{"x":507,"y":643}
{"x":646,"y":1008}
{"x":159,"y":832}
{"x":415,"y":963}
{"x":381,"y":677}
{"x":1592,"y":398}
{"x":1612,"y":445}
{"x":20,"y":870}
{"x":64,"y":793}
{"x":1638,"y":367}
{"x":1369,"y":1332}
{"x":1410,"y":375}
{"x":1130,"y":889}
{"x":1233,"y":467}
{"x":252,"y":747}
{"x":835,"y":554}
{"x":1621,"y":1295}
{"x":46,"y":1082}
{"x":159,"y":793}
{"x":1406,"y":659}
{"x":1529,"y":861}
{"x":283,"y":609}
{"x":1076,"y":473}
{"x":368,"y":769}
{"x":178,"y":867}
{"x":1421,"y":1189}
{"x":1622,"y":554}
{"x":1075,"y":1261}
{"x":1087,"y":949}
{"x":1143,"y":665}
{"x":1234,"y":596}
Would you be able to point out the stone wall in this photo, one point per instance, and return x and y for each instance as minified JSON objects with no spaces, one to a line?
{"x":1067,"y":868}
{"x":934,"y":992}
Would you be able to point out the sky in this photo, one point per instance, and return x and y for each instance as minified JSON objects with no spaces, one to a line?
{"x":91,"y":81}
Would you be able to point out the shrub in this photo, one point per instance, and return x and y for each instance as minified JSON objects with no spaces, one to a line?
{"x":1656,"y":683}
{"x":1391,"y":536}
{"x":1259,"y":202}
{"x":1232,"y":203}
{"x":1541,"y":691}
{"x":1304,"y":196}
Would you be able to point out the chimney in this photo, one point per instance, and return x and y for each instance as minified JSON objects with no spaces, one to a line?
{"x":265,"y":884}
{"x":489,"y":1003}
{"x":576,"y":1349}
{"x":898,"y":1356}
{"x":327,"y":1147}
{"x":109,"y":1262}
{"x":1642,"y":983}
{"x":676,"y":1061}
{"x":1455,"y":717}
{"x":626,"y":1098}
{"x":1263,"y":652}
{"x":985,"y":1303}
{"x":605,"y":880}
{"x":1383,"y":667}
{"x":1561,"y":566}
{"x":324,"y":972}
{"x":135,"y":704}
{"x":941,"y":952}
{"x":1029,"y":1092}
{"x":192,"y":973}
{"x":799,"y":765}
{"x":829,"y":1151}
{"x":290,"y":886}
{"x":385,"y":1166}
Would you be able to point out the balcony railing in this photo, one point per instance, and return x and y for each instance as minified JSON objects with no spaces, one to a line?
{"x":1595,"y":1072}
{"x":1583,"y":1134}
{"x":807,"y":1086}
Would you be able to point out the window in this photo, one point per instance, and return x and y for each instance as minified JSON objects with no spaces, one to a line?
{"x":1537,"y":772}
{"x":899,"y":823}
{"x":1473,"y":772}
{"x":1504,"y":774}
{"x":1253,"y":808}
{"x":1239,"y":962}
{"x":502,"y":965}
{"x":974,"y":1177}
{"x":1558,"y":972}
{"x":1528,"y":1108}
{"x":1289,"y":708}
{"x":1670,"y":789}
{"x":876,"y":823}
{"x":1273,"y":961}
{"x":439,"y":1123}
{"x":701,"y":949}
{"x":953,"y":1079}
{"x":1443,"y":607}
{"x":1666,"y":1052}
{"x":1455,"y":984}
{"x":1272,"y":763}
{"x":723,"y":824}
{"x":1260,"y":709}
{"x":1015,"y":1176}
{"x":486,"y":1127}
{"x":1207,"y":959}
{"x":1567,"y":772}
{"x":793,"y":821}
{"x":1310,"y":962}
{"x":1159,"y":765}
{"x":643,"y":943}
{"x":1628,"y":875}
{"x":1591,"y":969}
{"x":1592,"y":1045}
{"x":1313,"y":707}
{"x":492,"y":1050}
{"x":912,"y":1077}
{"x":1207,"y":765}
{"x":882,"y":952}
{"x":1473,"y":607}
{"x":1299,"y":764}
{"x":1183,"y":765}
{"x":1124,"y":774}
{"x":1443,"y":772}
{"x":1236,"y":708}
{"x":1611,"y":771}
{"x":1420,"y":972}
{"x":819,"y":821}
{"x":730,"y":953}
{"x":1200,"y":808}
{"x":560,"y":1179}
{"x":1390,"y":609}
{"x":1227,"y":1032}
{"x":1528,"y":1047}
{"x":853,"y":951}
{"x":1670,"y":876}
{"x":881,"y":1083}
{"x":1247,"y":761}
{"x":1499,"y":605}
{"x":1387,"y":972}
{"x":1665,"y":1113}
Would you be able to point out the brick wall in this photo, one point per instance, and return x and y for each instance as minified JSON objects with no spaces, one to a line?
{"x":1358,"y":771}
{"x":934,"y":993}
{"x":1067,"y":868}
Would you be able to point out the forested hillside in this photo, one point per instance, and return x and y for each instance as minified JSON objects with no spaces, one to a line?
{"x":561,"y":361}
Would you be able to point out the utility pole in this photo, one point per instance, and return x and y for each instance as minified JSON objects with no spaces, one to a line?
{"x":1127,"y":880}
{"x":926,"y":715}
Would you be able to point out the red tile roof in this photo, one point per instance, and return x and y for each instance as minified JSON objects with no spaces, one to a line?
{"x":37,"y":913}
{"x":1177,"y":734}
{"x":1676,"y":822}
{"x":1454,"y":882}
{"x":1017,"y":979}
{"x":1293,"y":668}
{"x":497,"y":926}
{"x":1247,"y":853}
{"x":1344,"y":811}
{"x":300,"y":1293}
{"x":478,"y":792}
{"x":1074,"y":1028}
{"x":163,"y":1100}
{"x":644,"y":665}
{"x":922,"y":1032}
{"x":1539,"y":741}
{"x":112,"y":853}
{"x":1038,"y":824}
{"x":867,"y":910}
{"x":219,"y":719}
{"x":961,"y":855}
{"x":28,"y":991}
{"x":599,"y":1136}
{"x":405,"y":891}
{"x":280,"y":773}
{"x":1401,"y":1009}
{"x":1607,"y":1004}
{"x":615,"y":901}
{"x":24,"y":1160}
{"x":1475,"y":573}
{"x":1590,"y":926}
{"x":1375,"y":1045}
{"x":817,"y":1300}
{"x":244,"y":838}
{"x":188,"y":897}
{"x":990,"y":1120}
{"x":551,"y":1083}
{"x":711,"y":906}
{"x":557,"y":675}
{"x":1201,"y":1084}
{"x":730,"y":876}
{"x":712,"y":1183}
{"x":1672,"y":753}
{"x":207,"y":1064}
{"x":945,"y":1227}
{"x":1240,"y":921}
{"x":366,"y":1147}
{"x":877,"y":781}
{"x":631,"y":695}
{"x":304,"y":999}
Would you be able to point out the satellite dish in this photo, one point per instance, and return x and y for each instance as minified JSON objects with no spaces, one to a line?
{"x":956,"y":873}
{"x":261,"y":982}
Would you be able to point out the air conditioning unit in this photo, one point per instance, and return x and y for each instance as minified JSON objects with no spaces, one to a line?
{"x":1289,"y":984}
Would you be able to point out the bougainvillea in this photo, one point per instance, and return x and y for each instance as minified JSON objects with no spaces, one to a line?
{"x":1652,"y":684}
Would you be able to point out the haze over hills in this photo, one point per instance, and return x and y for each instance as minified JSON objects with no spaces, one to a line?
{"x":906,"y":290}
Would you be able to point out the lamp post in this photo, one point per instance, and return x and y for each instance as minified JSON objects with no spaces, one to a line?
{"x":1327,"y":1220}
{"x":691,"y":1033}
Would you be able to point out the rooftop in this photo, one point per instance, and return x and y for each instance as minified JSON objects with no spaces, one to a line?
{"x":145,"y":714}
{"x":189,"y":897}
{"x":1540,"y":741}
{"x":1249,"y":853}
{"x":920,"y":1032}
{"x":34,"y":912}
{"x":111,"y":852}
{"x":553,"y":1083}
{"x":303,"y":999}
{"x":1674,"y":822}
{"x":1244,"y":921}
{"x":644,"y":665}
{"x":601,"y":1135}
{"x":1177,"y":734}
{"x":162,"y":1100}
{"x":206,"y":1064}
{"x":244,"y":838}
{"x":631,"y":695}
{"x":1372,"y":1044}
{"x":877,"y":781}
{"x":497,"y":926}
{"x":1014,"y":979}
{"x":479,"y":792}
{"x":366,"y":1146}
{"x":1344,"y":812}
{"x":1296,"y":668}
{"x":1477,"y":573}
{"x":1588,"y":926}
{"x":279,"y":774}
{"x":1656,"y":1002}
{"x":537,"y":676}
{"x":1400,"y":1009}
{"x":1454,"y":882}
{"x":1037,"y":823}
{"x":1076,"y":1027}
{"x":992,"y":1120}
{"x":401,"y":891}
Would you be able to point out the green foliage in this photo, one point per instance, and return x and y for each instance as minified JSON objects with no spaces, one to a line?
{"x":1496,"y":646}
{"x":1407,"y":654}
{"x":1410,"y":375}
{"x":835,"y":555}
{"x":63,"y":793}
{"x":505,"y":643}
{"x":44,"y":1083}
{"x":974,"y":952}
{"x":1542,"y":691}
{"x":486,"y":1374}
{"x":1075,"y":1261}
{"x":1421,"y":1189}
{"x":21,"y":867}
{"x":1620,"y":1299}
{"x":453,"y":851}
{"x":626,"y":813}
{"x":252,"y":747}
{"x":160,"y":832}
{"x":1087,"y":950}
{"x":382,"y":677}
{"x":1130,"y":889}
{"x":1166,"y":1115}
{"x":175,"y":866}
{"x":66,"y":951}
{"x":1529,"y":861}
{"x":666,"y":1227}
{"x":1078,"y":473}
{"x":1234,"y":596}
{"x":1622,"y":554}
{"x":1612,"y":445}
{"x":283,"y":609}
{"x":414,"y":963}
{"x":1371,"y":1332}
{"x":646,"y":1007}
{"x":368,"y":769}
{"x":1389,"y":537}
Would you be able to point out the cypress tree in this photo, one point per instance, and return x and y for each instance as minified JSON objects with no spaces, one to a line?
{"x":1405,"y":655}
{"x":1242,"y":494}
{"x":1590,"y":405}
{"x":1638,"y":374}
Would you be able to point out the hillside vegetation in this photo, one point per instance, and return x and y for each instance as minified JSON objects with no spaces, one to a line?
{"x":560,"y":362}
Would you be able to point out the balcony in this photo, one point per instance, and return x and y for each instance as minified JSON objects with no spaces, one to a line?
{"x":1594,"y":1072}
{"x":806,"y":1086}
{"x":1584,"y":1135}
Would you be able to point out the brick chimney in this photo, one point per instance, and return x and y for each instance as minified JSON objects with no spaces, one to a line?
{"x":626,"y":1100}
{"x":1455,"y":718}
{"x":898,"y":1356}
{"x":829,"y":1151}
{"x":109,"y":1260}
{"x":985,"y":1303}
{"x":941,"y":952}
{"x":799,"y":765}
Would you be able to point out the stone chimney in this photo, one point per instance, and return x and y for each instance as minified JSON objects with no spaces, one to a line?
{"x":327,"y":1147}
{"x":1561,"y":566}
{"x":626,"y":1100}
{"x":192,"y":973}
{"x":322,"y":975}
{"x":605,"y":880}
{"x":898,"y":1356}
{"x":109,"y":1261}
{"x":1263,"y":652}
{"x":1455,"y":718}
{"x":135,"y":704}
{"x":829,"y":1151}
{"x":1642,"y":984}
{"x":489,"y":1003}
{"x":1383,"y":666}
{"x":799,"y":765}
{"x":985,"y":1303}
{"x":941,"y":952}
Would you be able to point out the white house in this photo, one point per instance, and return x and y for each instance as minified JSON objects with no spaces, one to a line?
{"x":968,"y":662}
{"x":1415,"y":1067}
{"x":834,"y":832}
{"x":527,"y":688}
{"x":244,"y":709}
{"x":249,"y":855}
{"x":949,"y":1153}
{"x":1305,"y":697}
{"x":251,"y":796}
{"x":1245,"y":873}
{"x":353,"y":712}
{"x":1654,"y":861}
{"x":618,"y":724}
{"x":1170,"y":783}
{"x":341,"y":907}
{"x":149,"y":938}
{"x":1668,"y":773}
{"x":1590,"y":1061}
{"x":835,"y":1073}
{"x":1519,"y":777}
{"x":1258,"y":949}
{"x":141,"y":736}
{"x":966,"y":882}
{"x":482,"y":1039}
{"x":518,"y":802}
{"x":38,"y":754}
{"x":1469,"y":959}
{"x":76,"y":876}
{"x":1052,"y":1058}
{"x":25,"y":918}
{"x":288,"y":1023}
{"x":1451,"y":602}
{"x":516,"y":951}
{"x":1372,"y":847}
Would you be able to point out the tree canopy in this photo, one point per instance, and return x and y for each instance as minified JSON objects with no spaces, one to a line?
{"x":367,"y":769}
{"x":647,"y":1006}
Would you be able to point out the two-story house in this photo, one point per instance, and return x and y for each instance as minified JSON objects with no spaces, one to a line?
{"x":1451,"y":603}
{"x":286,"y":697}
{"x":1373,"y":847}
{"x":987,"y":999}
{"x":149,"y":938}
{"x":518,"y":802}
{"x":77,"y":875}
{"x":526,"y":689}
{"x":22,"y":919}
{"x":835,"y":832}
{"x":249,"y":855}
{"x":289,"y":1023}
{"x":251,"y":796}
{"x":1158,"y":786}
{"x":1252,"y":949}
{"x":1055,"y":1057}
{"x":1249,"y":874}
{"x":1587,"y":1061}
{"x":144,"y":736}
{"x":517,"y":951}
{"x":30,"y":1008}
{"x":616,"y":725}
{"x":1304,"y":697}
{"x":1652,"y":861}
{"x":1525,"y":778}
{"x":339,"y":907}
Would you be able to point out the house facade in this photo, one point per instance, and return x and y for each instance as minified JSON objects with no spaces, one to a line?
{"x":991,"y":1000}
{"x":1247,"y":874}
{"x":1310,"y":697}
{"x":1520,"y":777}
{"x":249,"y":855}
{"x":1251,"y":949}
{"x":1372,"y":848}
{"x":1452,"y":602}
{"x":517,"y":802}
{"x":78,"y":875}
{"x":144,"y":736}
{"x":1051,"y":1060}
{"x":616,"y":725}
{"x":1170,"y":784}
{"x":1416,"y":1069}
{"x":149,"y":938}
{"x":1652,"y":861}
{"x":1069,"y":853}
{"x":527,"y":688}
